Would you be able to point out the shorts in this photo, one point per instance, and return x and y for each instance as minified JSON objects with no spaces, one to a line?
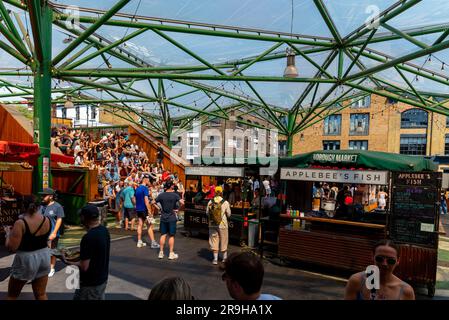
{"x":91,"y":293}
{"x":31,"y":265}
{"x":141,"y":215}
{"x":168,"y":227}
{"x":54,"y":243}
{"x":218,"y":236}
{"x":129,"y":213}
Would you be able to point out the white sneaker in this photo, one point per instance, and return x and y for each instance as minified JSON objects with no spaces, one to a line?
{"x":141,"y":244}
{"x":52,"y":273}
{"x":155,"y":245}
{"x":172,"y":256}
{"x":215,"y":262}
{"x":161,"y":255}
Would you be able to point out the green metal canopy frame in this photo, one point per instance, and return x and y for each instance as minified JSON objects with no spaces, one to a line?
{"x":35,"y":53}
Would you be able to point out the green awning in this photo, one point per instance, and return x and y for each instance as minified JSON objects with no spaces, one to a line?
{"x":359,"y":159}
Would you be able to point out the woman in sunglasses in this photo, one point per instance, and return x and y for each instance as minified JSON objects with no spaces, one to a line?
{"x":361,"y":286}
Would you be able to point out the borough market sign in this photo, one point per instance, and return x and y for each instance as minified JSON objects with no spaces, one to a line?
{"x":335,"y":157}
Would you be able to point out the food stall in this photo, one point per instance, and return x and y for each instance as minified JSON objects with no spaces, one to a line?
{"x":340,"y":233}
{"x":15,"y":161}
{"x":196,"y":221}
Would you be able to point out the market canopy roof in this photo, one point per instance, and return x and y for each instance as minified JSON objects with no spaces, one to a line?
{"x":169,"y":61}
{"x":359,"y":159}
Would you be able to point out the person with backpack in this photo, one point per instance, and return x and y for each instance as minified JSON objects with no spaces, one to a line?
{"x":219,"y":211}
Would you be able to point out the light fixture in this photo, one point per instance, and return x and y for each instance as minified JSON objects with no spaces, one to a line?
{"x":68,"y":104}
{"x":290,"y":70}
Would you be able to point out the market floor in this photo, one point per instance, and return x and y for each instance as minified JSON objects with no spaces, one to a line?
{"x":134,"y":271}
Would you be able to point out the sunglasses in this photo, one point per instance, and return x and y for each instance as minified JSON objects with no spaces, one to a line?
{"x":381,"y":259}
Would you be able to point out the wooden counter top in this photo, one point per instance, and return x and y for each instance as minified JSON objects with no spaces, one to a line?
{"x":335,"y":221}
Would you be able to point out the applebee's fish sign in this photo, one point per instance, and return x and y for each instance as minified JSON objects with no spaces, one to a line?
{"x":339,"y":176}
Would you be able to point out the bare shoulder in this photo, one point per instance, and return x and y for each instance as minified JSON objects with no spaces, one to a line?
{"x":408,"y":292}
{"x":355,"y":278}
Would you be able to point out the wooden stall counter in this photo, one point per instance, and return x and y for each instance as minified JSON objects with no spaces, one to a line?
{"x":330,"y":242}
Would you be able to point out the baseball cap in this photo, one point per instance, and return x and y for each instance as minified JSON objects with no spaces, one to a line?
{"x":219,"y":189}
{"x":47,"y":191}
{"x":90,"y":211}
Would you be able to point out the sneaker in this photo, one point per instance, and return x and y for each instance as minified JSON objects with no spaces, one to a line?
{"x":155,"y":245}
{"x":215,"y":262}
{"x":52,"y":273}
{"x":141,"y":244}
{"x":161,"y":255}
{"x":172,"y":256}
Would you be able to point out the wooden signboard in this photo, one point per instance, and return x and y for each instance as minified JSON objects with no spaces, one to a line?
{"x":414,"y":209}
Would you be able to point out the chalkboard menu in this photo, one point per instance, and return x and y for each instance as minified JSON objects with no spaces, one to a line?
{"x":414,"y":209}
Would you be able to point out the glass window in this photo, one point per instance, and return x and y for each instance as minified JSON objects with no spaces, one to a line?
{"x":364,"y":102}
{"x":413,"y":144}
{"x":447,"y":121}
{"x":64,"y":112}
{"x":331,"y":145}
{"x":359,"y":124}
{"x":358,"y":144}
{"x":93,"y":112}
{"x":77,"y":113}
{"x":414,"y":118}
{"x":446,"y":145}
{"x":332,"y":125}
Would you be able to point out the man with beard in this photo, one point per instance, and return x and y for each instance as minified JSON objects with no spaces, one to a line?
{"x":53,"y":210}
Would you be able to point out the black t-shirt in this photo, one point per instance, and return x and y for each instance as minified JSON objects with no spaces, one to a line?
{"x":169,"y":202}
{"x":160,"y":153}
{"x":95,"y":246}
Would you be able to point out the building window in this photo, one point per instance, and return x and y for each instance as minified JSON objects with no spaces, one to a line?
{"x":414,"y":118}
{"x":214,"y":122}
{"x":332,"y":125}
{"x":358,"y":144}
{"x":446,"y":144}
{"x":64,"y":112}
{"x":413,"y":144}
{"x":364,"y":102}
{"x":77,"y":113}
{"x":93,"y":112}
{"x":447,"y":121}
{"x":359,"y":124}
{"x":213,"y":142}
{"x":331,"y":145}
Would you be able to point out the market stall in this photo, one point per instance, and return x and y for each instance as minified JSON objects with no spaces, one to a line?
{"x":202,"y":179}
{"x":340,"y":230}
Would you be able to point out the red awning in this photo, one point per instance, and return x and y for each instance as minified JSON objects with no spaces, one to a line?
{"x":62,"y":158}
{"x":19,"y":152}
{"x":27,"y":152}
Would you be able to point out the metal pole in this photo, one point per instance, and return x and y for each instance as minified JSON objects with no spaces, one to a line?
{"x":42,"y":101}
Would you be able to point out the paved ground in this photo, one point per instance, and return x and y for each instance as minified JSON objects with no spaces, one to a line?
{"x":134,"y":271}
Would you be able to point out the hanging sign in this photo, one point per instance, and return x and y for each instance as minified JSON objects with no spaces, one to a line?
{"x":339,"y":176}
{"x":45,"y":170}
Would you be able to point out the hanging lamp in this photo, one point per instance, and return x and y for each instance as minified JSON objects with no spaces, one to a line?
{"x":290,"y":70}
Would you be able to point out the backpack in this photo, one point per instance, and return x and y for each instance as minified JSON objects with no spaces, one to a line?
{"x":215,"y":212}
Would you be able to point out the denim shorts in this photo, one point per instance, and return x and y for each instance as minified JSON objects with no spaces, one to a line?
{"x":168,"y":227}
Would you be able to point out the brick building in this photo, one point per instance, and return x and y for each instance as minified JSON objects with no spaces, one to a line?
{"x":378,"y":124}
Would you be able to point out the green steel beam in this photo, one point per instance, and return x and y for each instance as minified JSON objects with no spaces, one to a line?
{"x":42,"y":94}
{"x":405,"y":36}
{"x":364,"y":29}
{"x":13,"y":53}
{"x":217,"y":33}
{"x":397,"y":61}
{"x":183,"y":94}
{"x":330,"y":58}
{"x":310,"y":60}
{"x":328,"y":20}
{"x":77,"y":55}
{"x":26,"y":36}
{"x":97,"y":24}
{"x":140,"y":75}
{"x":442,"y":37}
{"x":20,"y":47}
{"x":411,"y":32}
{"x":340,"y":63}
{"x":4,"y":13}
{"x":410,"y":85}
{"x":356,"y":58}
{"x":258,"y":58}
{"x":214,"y":101}
{"x":104,"y":49}
{"x":186,"y":50}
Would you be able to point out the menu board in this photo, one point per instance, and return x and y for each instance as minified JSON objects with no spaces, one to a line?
{"x":414,"y":209}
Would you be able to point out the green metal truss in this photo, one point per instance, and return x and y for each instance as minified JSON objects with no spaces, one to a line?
{"x":343,"y":72}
